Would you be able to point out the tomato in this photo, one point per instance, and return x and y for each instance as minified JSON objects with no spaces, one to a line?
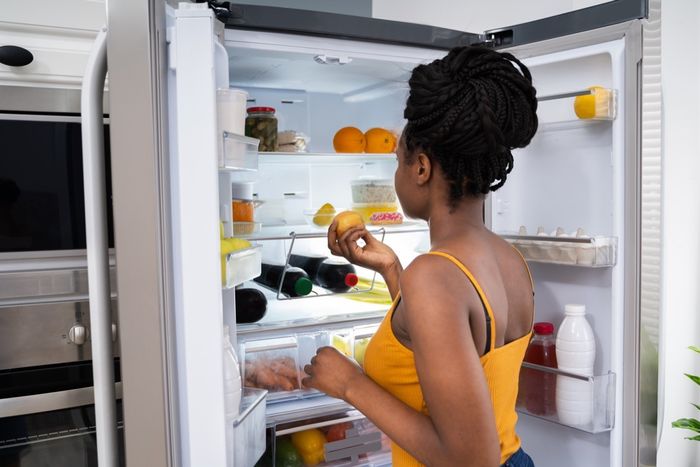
{"x":337,"y":432}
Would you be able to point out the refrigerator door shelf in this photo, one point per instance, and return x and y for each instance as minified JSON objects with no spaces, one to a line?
{"x":238,"y":152}
{"x":249,"y":428}
{"x":595,"y":252}
{"x":586,"y":403}
{"x":241,"y":266}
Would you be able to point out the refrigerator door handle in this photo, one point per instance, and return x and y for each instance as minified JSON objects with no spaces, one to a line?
{"x":91,"y":110}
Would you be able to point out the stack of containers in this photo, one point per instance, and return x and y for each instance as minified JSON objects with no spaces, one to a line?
{"x":375,"y":200}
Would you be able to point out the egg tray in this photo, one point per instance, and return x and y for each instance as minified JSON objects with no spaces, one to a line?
{"x":593,"y":252}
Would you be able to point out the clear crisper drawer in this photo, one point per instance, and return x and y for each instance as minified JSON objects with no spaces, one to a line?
{"x":239,"y":152}
{"x":249,"y":428}
{"x":586,"y":403}
{"x":241,"y":266}
{"x":595,"y":252}
{"x":347,"y":441}
{"x":272,"y":364}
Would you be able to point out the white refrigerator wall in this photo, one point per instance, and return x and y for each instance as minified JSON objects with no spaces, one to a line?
{"x":680,"y":321}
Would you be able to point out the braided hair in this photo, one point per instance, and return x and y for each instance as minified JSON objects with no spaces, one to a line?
{"x":467,"y":111}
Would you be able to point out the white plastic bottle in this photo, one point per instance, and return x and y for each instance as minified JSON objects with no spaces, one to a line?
{"x":575,"y":348}
{"x":232,"y":391}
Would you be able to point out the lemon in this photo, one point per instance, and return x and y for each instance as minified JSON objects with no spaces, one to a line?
{"x":587,"y":106}
{"x":229,"y":245}
{"x":324,"y":216}
{"x":360,"y":348}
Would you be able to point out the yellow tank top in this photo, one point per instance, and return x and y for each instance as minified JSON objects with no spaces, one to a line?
{"x":391,"y":365}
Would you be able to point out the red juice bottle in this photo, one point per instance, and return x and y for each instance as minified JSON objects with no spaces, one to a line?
{"x":537,"y":388}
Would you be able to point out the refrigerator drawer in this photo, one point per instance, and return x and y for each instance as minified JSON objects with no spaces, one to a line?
{"x":349,"y":439}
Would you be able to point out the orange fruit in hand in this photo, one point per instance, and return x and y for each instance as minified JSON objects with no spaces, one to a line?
{"x":346,"y":221}
{"x":380,"y":141}
{"x":349,"y":139}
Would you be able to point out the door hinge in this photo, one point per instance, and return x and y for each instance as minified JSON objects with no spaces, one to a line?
{"x":486,"y":40}
{"x":496,"y":38}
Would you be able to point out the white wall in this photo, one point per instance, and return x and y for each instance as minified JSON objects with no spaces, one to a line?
{"x":680,"y":50}
{"x":472,"y":15}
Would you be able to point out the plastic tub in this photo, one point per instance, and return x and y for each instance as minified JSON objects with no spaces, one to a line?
{"x":373,"y":190}
{"x":367,"y":209}
{"x":272,"y":364}
{"x":231,"y":110}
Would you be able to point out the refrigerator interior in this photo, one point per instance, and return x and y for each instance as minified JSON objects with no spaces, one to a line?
{"x":565,"y":178}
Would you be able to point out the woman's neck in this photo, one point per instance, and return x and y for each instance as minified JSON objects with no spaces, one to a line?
{"x":447,"y":222}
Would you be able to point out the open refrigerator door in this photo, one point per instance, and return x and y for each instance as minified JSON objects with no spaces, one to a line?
{"x":570,"y":207}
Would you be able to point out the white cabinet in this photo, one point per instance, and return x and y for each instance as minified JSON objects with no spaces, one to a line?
{"x":58,"y":34}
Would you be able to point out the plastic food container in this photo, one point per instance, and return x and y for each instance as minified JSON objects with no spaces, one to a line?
{"x":230,"y":106}
{"x":367,"y":209}
{"x":261,"y":123}
{"x":272,"y":364}
{"x":373,"y":190}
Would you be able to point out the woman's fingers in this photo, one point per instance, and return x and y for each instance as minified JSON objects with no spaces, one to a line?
{"x":333,"y":239}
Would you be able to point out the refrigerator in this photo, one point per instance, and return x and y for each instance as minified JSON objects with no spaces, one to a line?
{"x":172,"y":169}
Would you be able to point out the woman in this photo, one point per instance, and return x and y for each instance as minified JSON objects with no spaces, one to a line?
{"x":441,"y":374}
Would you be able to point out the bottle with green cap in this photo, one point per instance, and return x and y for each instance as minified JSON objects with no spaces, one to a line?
{"x":296,"y":282}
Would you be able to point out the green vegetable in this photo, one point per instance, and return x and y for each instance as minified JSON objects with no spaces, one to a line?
{"x":286,"y":454}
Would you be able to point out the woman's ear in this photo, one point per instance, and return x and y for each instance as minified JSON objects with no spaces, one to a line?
{"x":423,"y":169}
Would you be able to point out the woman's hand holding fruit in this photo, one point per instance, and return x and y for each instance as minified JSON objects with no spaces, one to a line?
{"x":343,"y":235}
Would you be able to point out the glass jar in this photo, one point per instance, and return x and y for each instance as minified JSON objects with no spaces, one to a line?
{"x":261,"y":123}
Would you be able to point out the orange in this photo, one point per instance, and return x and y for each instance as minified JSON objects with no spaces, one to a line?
{"x":349,"y":139}
{"x":346,"y":221}
{"x":380,"y":141}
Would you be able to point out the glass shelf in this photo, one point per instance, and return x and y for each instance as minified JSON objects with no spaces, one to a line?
{"x":249,"y":428}
{"x":238,"y":153}
{"x":586,"y":403}
{"x":287,"y":232}
{"x":594,"y":252}
{"x":324,"y":158}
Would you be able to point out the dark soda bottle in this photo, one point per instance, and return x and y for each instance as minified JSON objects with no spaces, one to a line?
{"x":537,"y":391}
{"x":251,"y":305}
{"x":336,"y":276}
{"x":309,"y":263}
{"x":296,"y":282}
{"x":333,"y":274}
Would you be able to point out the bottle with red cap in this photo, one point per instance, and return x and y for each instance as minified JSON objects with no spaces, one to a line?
{"x":537,"y":392}
{"x":332,"y":274}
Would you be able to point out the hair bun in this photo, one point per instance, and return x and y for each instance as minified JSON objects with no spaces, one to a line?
{"x":471,"y":108}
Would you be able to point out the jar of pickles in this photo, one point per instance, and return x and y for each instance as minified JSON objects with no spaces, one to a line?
{"x":261,"y":123}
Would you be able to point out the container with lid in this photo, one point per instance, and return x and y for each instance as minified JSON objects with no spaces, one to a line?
{"x":230,"y":105}
{"x":242,"y":204}
{"x":367,"y":209}
{"x":537,"y":388}
{"x":373,"y":190}
{"x":261,"y":123}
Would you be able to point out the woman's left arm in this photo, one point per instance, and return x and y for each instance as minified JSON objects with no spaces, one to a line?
{"x":461,"y":427}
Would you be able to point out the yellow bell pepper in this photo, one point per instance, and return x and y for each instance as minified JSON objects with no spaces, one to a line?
{"x":310,"y":443}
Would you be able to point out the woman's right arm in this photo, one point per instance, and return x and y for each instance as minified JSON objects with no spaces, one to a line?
{"x":374,"y":255}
